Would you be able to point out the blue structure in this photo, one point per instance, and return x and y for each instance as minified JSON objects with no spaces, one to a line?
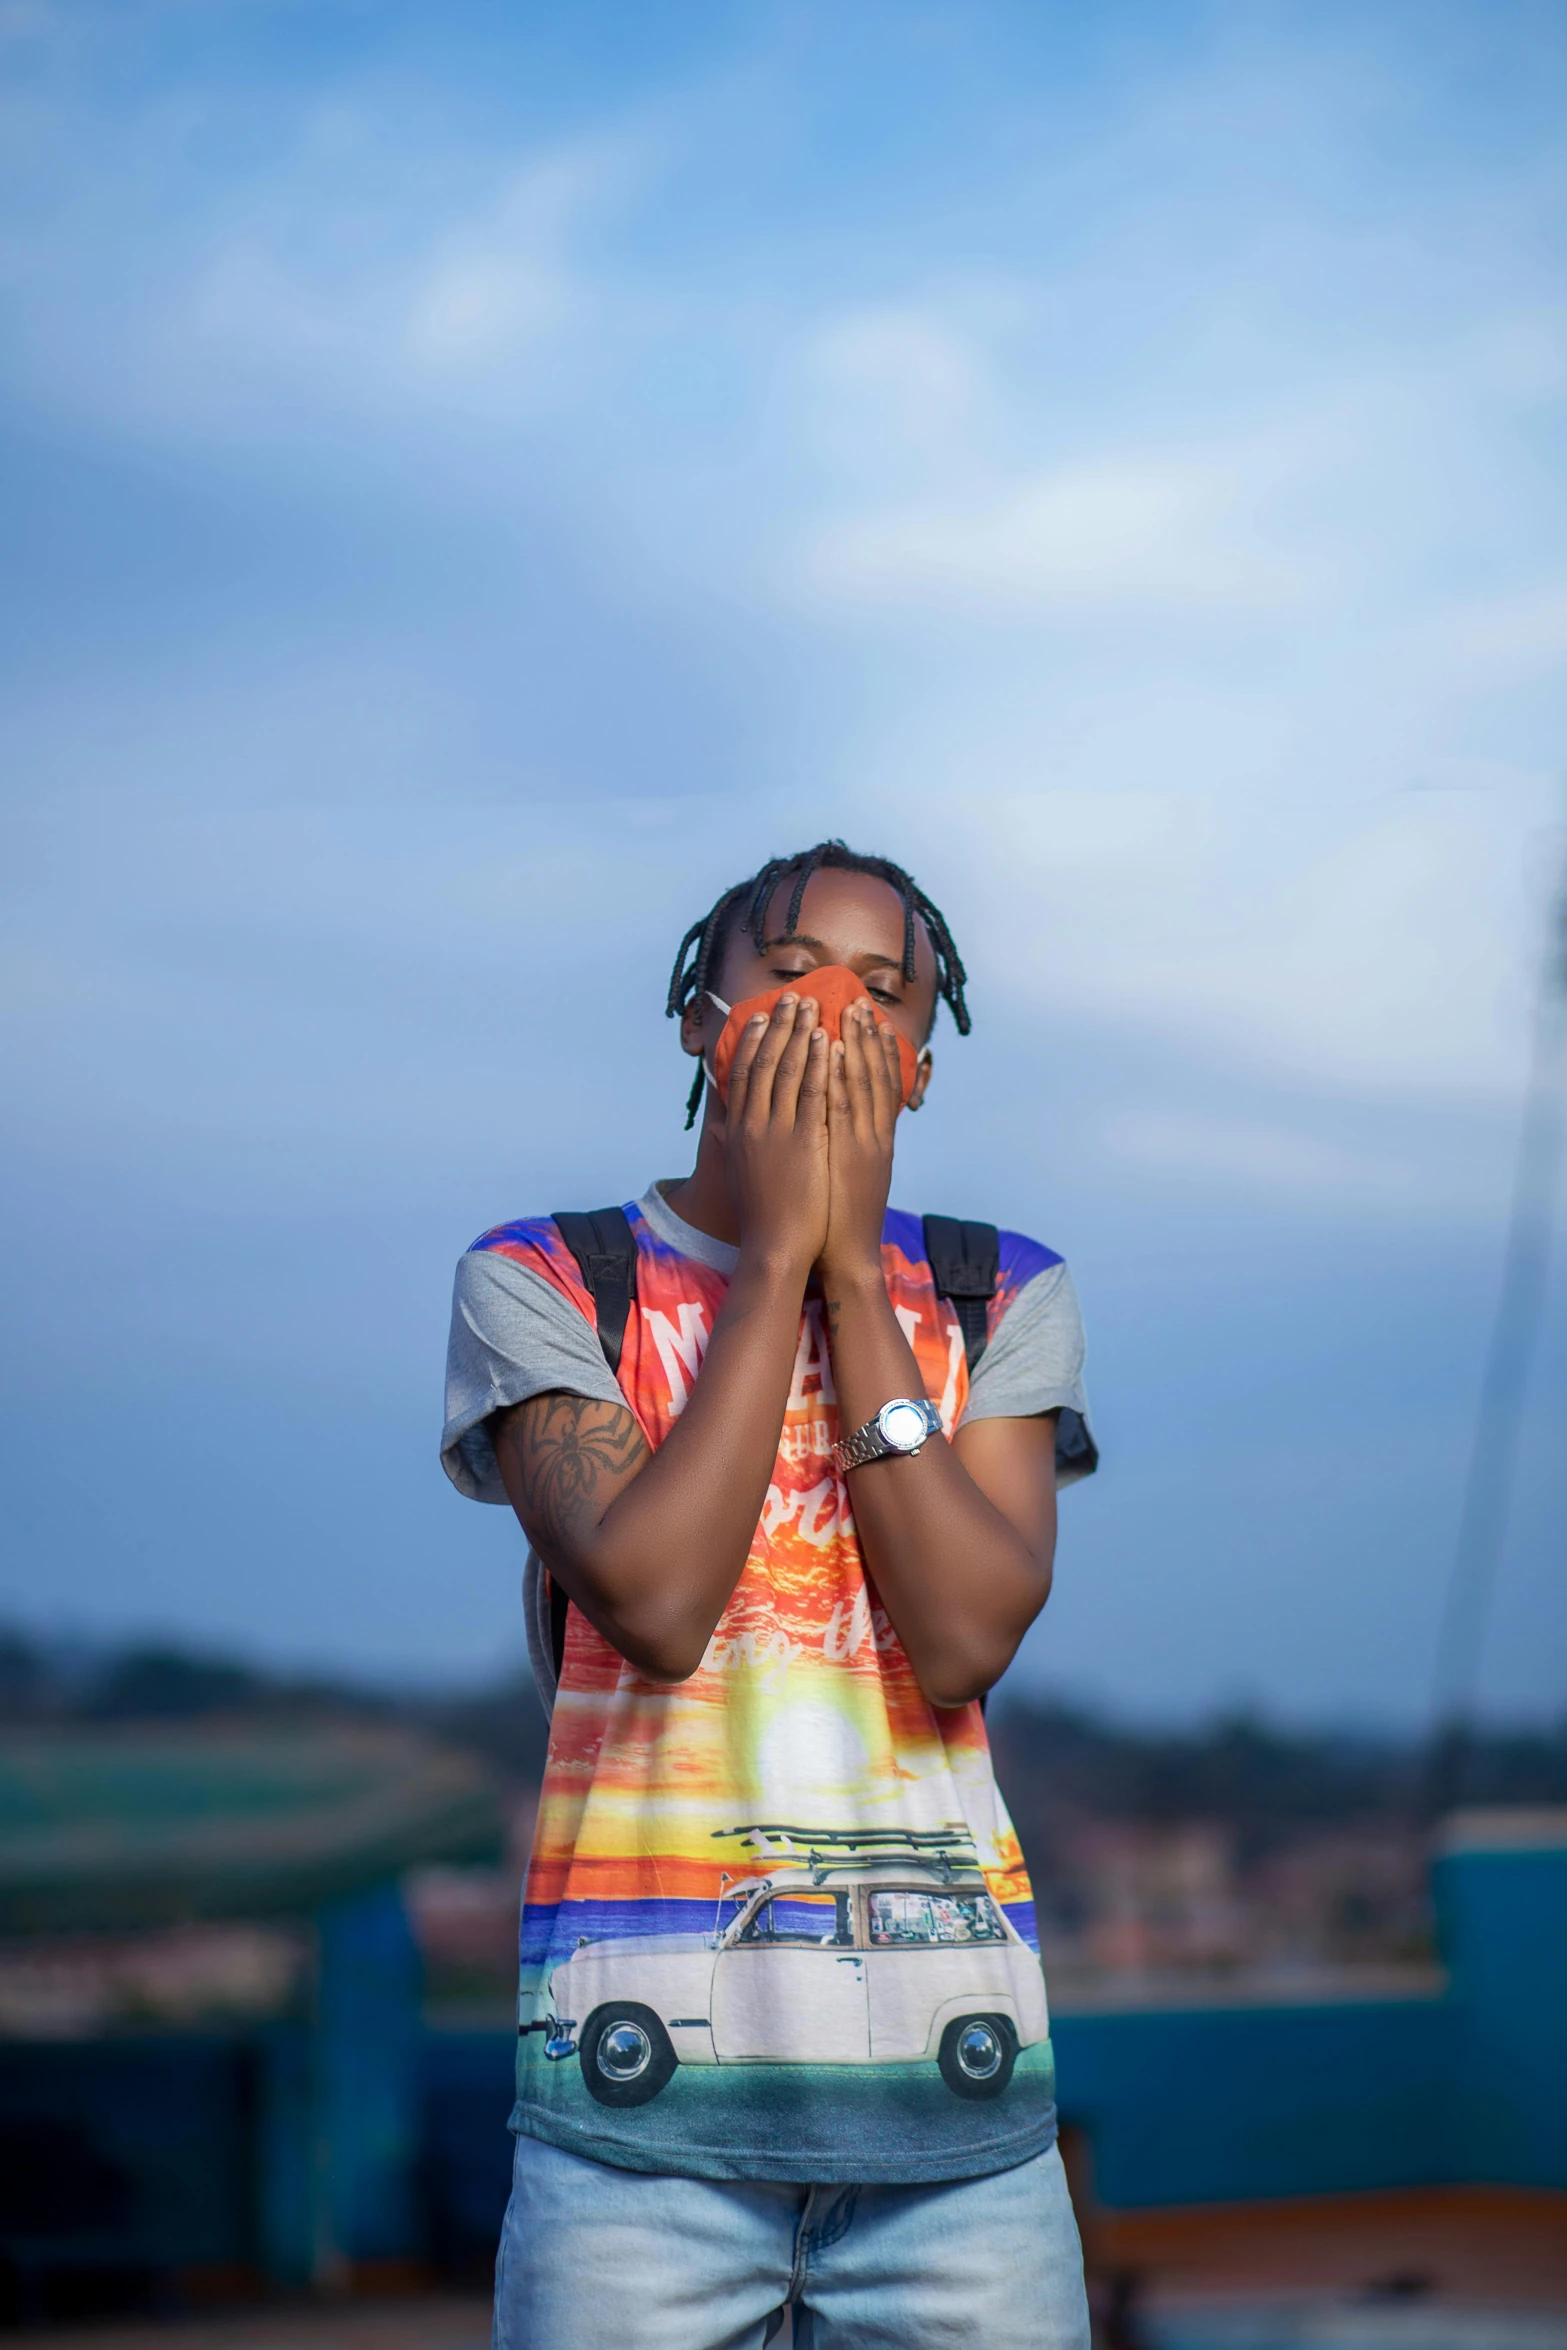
{"x":1223,"y":2104}
{"x":1501,"y":1894}
{"x":339,"y":2108}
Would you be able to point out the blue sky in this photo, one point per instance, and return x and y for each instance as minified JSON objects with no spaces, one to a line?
{"x":479,"y":479}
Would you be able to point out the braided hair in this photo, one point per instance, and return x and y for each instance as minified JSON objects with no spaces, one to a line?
{"x":702,"y":948}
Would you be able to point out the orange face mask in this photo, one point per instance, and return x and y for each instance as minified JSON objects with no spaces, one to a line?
{"x":835,"y":988}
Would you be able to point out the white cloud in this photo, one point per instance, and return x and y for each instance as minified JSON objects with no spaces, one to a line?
{"x":1246,"y":1154}
{"x":502,"y":280}
{"x":1382,"y":954}
{"x":886,"y":382}
{"x":325,"y":283}
{"x":1149,"y":532}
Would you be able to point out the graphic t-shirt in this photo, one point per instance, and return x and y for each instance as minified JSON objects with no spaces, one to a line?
{"x":776,"y":1923}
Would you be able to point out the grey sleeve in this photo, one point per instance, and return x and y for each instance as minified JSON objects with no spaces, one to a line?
{"x":513,"y":1335}
{"x":1033,"y":1364}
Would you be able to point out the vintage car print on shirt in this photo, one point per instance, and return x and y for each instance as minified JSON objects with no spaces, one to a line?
{"x":893,"y":1959}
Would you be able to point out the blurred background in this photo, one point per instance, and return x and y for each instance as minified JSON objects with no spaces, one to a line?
{"x":477,"y":481}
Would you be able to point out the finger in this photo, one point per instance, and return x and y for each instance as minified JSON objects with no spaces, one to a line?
{"x":769,"y":1051}
{"x":886,"y":1077}
{"x":850,"y":1068}
{"x":838,"y":1111}
{"x":791,"y":1064}
{"x":740,"y":1067}
{"x":840,"y":1121}
{"x":882,"y":1082}
{"x":857,"y":1074}
{"x":811,"y":1108}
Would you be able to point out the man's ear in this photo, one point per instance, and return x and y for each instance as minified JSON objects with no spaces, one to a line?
{"x":921,"y":1084}
{"x":691,"y":1030}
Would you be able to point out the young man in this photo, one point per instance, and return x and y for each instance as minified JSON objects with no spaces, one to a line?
{"x":782,"y":2029}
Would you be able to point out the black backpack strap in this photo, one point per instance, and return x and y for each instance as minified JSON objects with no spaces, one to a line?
{"x":605,"y":1247}
{"x":965,"y":1259}
{"x":602,"y":1241}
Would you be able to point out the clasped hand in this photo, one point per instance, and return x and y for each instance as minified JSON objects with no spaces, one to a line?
{"x":809,"y":1135}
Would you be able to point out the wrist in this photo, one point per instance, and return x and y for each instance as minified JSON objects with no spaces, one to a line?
{"x":853,"y":1276}
{"x":771,"y":1267}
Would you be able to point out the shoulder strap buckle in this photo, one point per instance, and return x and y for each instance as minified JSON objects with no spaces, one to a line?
{"x":604,"y":1245}
{"x":965,"y":1262}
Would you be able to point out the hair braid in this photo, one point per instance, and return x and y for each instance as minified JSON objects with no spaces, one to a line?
{"x":808,"y":866}
{"x":688,"y":981}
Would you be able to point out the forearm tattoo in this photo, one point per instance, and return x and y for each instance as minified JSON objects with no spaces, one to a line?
{"x":569,"y":1453}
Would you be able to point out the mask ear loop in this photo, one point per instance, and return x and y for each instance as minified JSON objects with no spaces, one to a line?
{"x":726,"y":1009}
{"x":923,"y":1062}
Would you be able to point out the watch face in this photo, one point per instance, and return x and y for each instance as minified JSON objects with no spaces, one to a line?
{"x":902,"y":1426}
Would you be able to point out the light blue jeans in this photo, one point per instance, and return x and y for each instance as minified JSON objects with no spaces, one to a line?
{"x":594,"y":2258}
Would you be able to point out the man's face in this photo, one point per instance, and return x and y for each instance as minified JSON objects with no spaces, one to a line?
{"x":847,"y":918}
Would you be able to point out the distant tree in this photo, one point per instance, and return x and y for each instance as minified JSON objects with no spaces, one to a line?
{"x":169,"y":1684}
{"x":1264,"y":1783}
{"x":26,"y":1684}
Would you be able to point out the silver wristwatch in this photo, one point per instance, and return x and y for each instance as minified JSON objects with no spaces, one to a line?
{"x":899,"y":1427}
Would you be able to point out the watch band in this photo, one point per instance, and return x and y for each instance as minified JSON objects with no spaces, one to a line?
{"x":870,"y":1444}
